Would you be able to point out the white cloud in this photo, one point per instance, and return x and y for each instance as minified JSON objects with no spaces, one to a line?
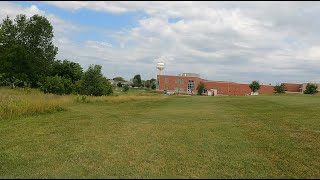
{"x":220,"y":40}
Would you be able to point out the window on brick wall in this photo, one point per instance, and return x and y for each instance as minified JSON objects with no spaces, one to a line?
{"x":181,"y":89}
{"x":181,"y":81}
{"x":165,"y":87}
{"x":166,"y":80}
{"x":177,"y":81}
{"x":176,"y":89}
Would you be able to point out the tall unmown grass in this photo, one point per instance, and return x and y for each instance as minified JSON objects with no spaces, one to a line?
{"x":22,"y":102}
{"x":118,"y":99}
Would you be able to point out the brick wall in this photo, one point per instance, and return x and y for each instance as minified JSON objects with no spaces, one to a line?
{"x":171,"y":83}
{"x":293,"y":87}
{"x":224,"y":88}
{"x":236,"y":89}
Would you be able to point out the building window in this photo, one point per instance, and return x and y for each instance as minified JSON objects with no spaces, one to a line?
{"x":166,"y":80}
{"x":177,"y":80}
{"x":176,"y":89}
{"x":190,"y":86}
{"x":181,"y":81}
{"x":181,"y":89}
{"x":165,"y":88}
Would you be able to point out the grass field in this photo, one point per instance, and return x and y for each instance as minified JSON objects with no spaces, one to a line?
{"x":141,"y":136}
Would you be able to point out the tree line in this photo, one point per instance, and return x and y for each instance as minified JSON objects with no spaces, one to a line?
{"x":28,"y":59}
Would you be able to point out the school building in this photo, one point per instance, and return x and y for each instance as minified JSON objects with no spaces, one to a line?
{"x":187,"y":83}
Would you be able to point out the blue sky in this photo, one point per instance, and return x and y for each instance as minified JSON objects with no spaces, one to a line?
{"x":272,"y":42}
{"x":93,"y":21}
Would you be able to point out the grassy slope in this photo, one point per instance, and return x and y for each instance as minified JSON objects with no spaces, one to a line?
{"x":180,"y":137}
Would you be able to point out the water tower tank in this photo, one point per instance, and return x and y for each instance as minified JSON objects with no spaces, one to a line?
{"x":160,"y":66}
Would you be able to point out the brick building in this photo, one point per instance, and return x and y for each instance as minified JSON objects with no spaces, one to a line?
{"x":294,"y":88}
{"x":187,"y":83}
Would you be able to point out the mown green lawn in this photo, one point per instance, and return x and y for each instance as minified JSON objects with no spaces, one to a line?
{"x":178,"y":137}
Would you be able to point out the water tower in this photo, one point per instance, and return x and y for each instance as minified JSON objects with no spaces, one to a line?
{"x":160,"y":67}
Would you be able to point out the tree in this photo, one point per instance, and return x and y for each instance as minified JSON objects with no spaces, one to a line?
{"x":153,"y":86}
{"x":125,"y":88}
{"x":311,"y":89}
{"x":147,"y":84}
{"x":200,"y":88}
{"x":119,"y":79}
{"x":67,"y":69}
{"x":150,"y":83}
{"x":27,"y":51}
{"x":280,"y":88}
{"x":254,"y":86}
{"x":153,"y":83}
{"x":93,"y":82}
{"x":57,"y":85}
{"x":137,"y":80}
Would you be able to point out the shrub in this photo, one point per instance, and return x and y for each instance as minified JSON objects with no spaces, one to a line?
{"x":280,"y":88}
{"x":57,"y":85}
{"x":137,"y":80}
{"x":153,"y":86}
{"x":200,"y":88}
{"x":3,"y":80}
{"x":254,"y":86}
{"x":68,"y":86}
{"x":125,"y":88}
{"x":93,"y":82}
{"x":311,"y":89}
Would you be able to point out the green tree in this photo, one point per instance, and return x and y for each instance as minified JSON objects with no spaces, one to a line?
{"x":201,"y":88}
{"x":93,"y":82}
{"x":137,"y":80}
{"x":254,"y":86}
{"x":153,"y":83}
{"x":280,"y":88}
{"x":125,"y":88}
{"x":67,"y":69}
{"x":119,"y":79}
{"x":311,"y":89}
{"x":27,"y":51}
{"x":57,"y":85}
{"x":153,"y":86}
{"x":147,"y":84}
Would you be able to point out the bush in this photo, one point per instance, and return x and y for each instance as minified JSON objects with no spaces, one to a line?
{"x":68,"y":86}
{"x":280,"y":88}
{"x":254,"y":86}
{"x":311,"y":89}
{"x":153,"y":86}
{"x":125,"y":88}
{"x":57,"y":85}
{"x":13,"y":82}
{"x":93,"y":83}
{"x":3,"y":80}
{"x":200,"y":88}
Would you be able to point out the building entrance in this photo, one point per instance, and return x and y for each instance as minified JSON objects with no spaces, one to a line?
{"x":190,"y":89}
